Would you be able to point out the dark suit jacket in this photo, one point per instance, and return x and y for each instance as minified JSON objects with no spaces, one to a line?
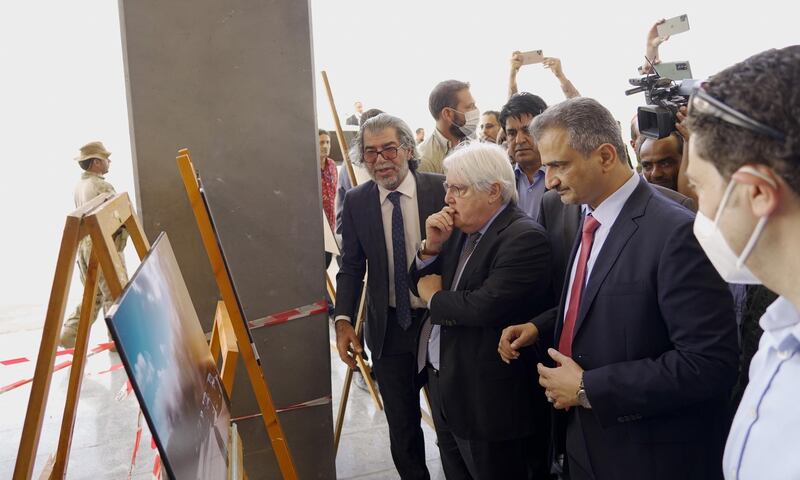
{"x":505,"y":282}
{"x":563,"y":221}
{"x":351,"y":120}
{"x":656,"y":336}
{"x":363,"y":240}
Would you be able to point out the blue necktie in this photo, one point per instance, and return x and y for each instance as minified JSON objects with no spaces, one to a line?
{"x":401,"y":298}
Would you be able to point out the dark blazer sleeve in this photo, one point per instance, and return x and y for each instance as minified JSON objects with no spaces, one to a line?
{"x":697,"y":309}
{"x":350,"y":278}
{"x":521,"y":264}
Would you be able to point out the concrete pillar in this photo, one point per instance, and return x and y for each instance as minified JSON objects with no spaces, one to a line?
{"x":234,"y":82}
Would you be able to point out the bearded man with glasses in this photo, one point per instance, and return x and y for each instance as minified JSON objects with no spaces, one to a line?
{"x":382,"y":227}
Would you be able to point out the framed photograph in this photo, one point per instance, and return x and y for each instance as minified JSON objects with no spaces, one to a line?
{"x":165,"y":353}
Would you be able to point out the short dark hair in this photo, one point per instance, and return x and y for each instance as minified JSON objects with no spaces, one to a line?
{"x":588,"y":124}
{"x":86,"y":164}
{"x":372,"y":112}
{"x":444,"y":95}
{"x":766,"y":88}
{"x":492,"y":112}
{"x":323,"y":132}
{"x":520,"y":104}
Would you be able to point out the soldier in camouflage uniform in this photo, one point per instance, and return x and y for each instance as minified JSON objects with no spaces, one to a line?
{"x":94,"y":160}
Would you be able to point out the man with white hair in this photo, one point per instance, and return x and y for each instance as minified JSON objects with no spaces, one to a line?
{"x":484,"y":265}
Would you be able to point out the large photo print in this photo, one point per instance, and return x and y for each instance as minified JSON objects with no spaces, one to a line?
{"x":166,"y":355}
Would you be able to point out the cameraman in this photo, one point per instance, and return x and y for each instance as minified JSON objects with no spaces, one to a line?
{"x":744,"y":164}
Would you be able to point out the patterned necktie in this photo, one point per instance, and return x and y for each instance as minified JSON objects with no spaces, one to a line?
{"x":401,"y":297}
{"x":590,"y":225}
{"x":427,"y":348}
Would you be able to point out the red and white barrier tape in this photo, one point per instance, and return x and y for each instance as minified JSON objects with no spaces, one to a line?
{"x":59,"y":366}
{"x":297,"y":406}
{"x":293,"y":314}
{"x":66,"y":351}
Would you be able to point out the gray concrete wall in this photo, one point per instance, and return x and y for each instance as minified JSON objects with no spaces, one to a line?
{"x":234,"y":82}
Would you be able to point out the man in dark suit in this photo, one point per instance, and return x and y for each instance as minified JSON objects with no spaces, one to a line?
{"x":382,"y":226}
{"x":355,"y":118}
{"x":645,"y":329}
{"x":563,"y":221}
{"x":483,"y":266}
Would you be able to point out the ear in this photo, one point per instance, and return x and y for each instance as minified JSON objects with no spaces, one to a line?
{"x":608,"y":156}
{"x":495,"y":193}
{"x":764,"y":194}
{"x":446,"y":114}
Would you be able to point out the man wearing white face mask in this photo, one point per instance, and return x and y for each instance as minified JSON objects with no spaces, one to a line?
{"x":744,"y":164}
{"x":452,"y":106}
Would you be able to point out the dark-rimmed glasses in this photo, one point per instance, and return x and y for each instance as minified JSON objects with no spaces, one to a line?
{"x":389,"y":153}
{"x":703,"y":103}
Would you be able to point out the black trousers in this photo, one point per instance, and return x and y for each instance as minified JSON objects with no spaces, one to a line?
{"x":400,"y":384}
{"x":479,"y":459}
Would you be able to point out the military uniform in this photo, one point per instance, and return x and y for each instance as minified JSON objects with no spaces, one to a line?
{"x":91,"y":185}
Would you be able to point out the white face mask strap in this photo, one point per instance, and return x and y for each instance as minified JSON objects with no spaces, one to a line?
{"x":724,"y":201}
{"x":748,"y":249}
{"x":762,"y":223}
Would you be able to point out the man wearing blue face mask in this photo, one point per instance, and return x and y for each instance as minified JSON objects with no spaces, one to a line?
{"x":744,"y":164}
{"x":452,"y":106}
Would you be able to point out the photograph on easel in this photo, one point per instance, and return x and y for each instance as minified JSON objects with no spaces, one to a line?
{"x":165,"y":353}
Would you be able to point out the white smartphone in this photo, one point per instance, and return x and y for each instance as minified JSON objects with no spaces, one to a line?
{"x":534,"y":56}
{"x":674,"y":26}
{"x":674,"y":70}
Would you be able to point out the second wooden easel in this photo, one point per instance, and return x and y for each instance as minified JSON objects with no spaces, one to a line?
{"x":233,"y":316}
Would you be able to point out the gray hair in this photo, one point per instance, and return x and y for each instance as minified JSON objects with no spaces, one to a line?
{"x":587,"y":122}
{"x":378,"y":124}
{"x":481,"y":165}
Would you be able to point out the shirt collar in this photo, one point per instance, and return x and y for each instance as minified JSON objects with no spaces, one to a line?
{"x":87,"y":174}
{"x":437,"y":135}
{"x":518,"y":171}
{"x":407,"y":187}
{"x":607,"y":212}
{"x":781,"y":315}
{"x":329,"y":163}
{"x":489,"y":222}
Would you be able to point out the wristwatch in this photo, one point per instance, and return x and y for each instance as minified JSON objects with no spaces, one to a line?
{"x":423,"y":249}
{"x":583,"y":400}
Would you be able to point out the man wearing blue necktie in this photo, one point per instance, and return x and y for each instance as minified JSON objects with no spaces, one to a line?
{"x":381,"y":232}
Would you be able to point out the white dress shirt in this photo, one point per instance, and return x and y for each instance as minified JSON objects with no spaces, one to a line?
{"x":606,"y":213}
{"x":410,"y":208}
{"x":764,"y":441}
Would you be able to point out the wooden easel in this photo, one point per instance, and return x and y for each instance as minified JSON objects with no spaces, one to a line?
{"x":99,"y":219}
{"x":233,"y":320}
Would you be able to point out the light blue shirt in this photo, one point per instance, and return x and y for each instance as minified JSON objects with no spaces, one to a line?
{"x":606,"y":213}
{"x":764,"y":441}
{"x":435,"y":339}
{"x":530,"y":194}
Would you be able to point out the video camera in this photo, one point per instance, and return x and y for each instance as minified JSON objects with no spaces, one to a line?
{"x":664,"y":97}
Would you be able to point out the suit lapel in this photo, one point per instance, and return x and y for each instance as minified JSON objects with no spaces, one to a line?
{"x":622,"y":230}
{"x":375,"y":228}
{"x":485,"y":244}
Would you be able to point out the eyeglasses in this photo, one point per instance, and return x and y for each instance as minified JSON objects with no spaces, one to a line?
{"x":458,"y":190}
{"x":703,"y":103}
{"x":389,"y":153}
